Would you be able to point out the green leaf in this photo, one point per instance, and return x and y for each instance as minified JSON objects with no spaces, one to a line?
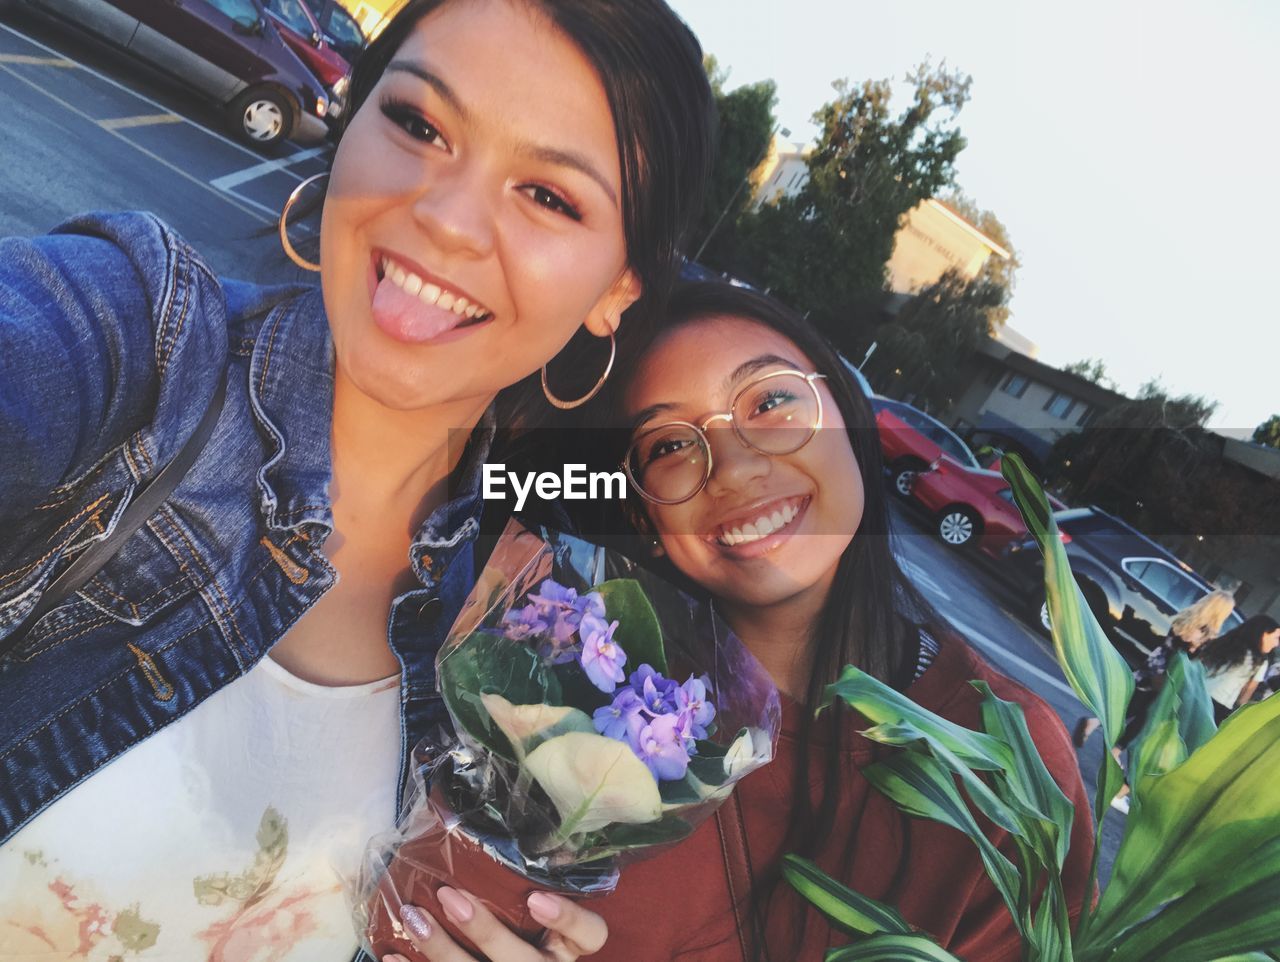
{"x":1029,"y":780}
{"x":845,"y":908}
{"x":619,"y":837}
{"x":489,"y":663}
{"x":892,"y":948}
{"x":882,"y":705}
{"x":593,"y":780}
{"x":923,"y":786}
{"x":1093,"y":668}
{"x":1197,"y":825}
{"x":528,"y":726}
{"x":1178,"y":722}
{"x":639,"y":632}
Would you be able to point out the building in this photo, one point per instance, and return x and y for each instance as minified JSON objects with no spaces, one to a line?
{"x":1017,"y":403}
{"x":934,"y":239}
{"x":782,"y":172}
{"x":373,"y":15}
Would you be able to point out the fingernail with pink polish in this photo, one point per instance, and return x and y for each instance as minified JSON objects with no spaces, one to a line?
{"x":416,"y":921}
{"x":543,"y":907}
{"x":455,"y":906}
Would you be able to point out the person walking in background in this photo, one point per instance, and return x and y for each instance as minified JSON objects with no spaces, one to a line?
{"x":1238,"y":662}
{"x":1191,"y":628}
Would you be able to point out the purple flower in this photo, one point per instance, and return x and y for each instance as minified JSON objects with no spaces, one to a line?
{"x":659,"y":693}
{"x":602,"y":657}
{"x":692,"y":704}
{"x":660,"y":746}
{"x":622,"y":719}
{"x":522,"y":623}
{"x":562,"y":610}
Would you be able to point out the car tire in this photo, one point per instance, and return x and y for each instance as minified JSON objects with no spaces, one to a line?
{"x":958,"y":526}
{"x":903,"y":473}
{"x":261,"y":116}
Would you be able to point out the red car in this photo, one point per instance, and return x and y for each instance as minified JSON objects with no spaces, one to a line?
{"x":911,"y":441}
{"x":300,"y":30}
{"x":971,"y":507}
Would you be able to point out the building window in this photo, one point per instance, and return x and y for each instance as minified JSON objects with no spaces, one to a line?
{"x":1086,"y":415}
{"x":1015,"y":384}
{"x":1059,"y":404}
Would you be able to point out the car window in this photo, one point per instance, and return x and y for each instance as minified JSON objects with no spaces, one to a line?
{"x":344,"y":29}
{"x":292,"y":13}
{"x":242,"y":11}
{"x":954,"y":447}
{"x":1166,"y":581}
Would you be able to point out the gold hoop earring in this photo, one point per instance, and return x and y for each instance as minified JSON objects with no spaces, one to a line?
{"x":578,"y":402}
{"x":289,"y":250}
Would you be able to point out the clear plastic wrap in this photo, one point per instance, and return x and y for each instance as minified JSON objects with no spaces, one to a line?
{"x":599,"y":716}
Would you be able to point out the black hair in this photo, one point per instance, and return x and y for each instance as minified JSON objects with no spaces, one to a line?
{"x":1241,"y":643}
{"x":873,"y":615}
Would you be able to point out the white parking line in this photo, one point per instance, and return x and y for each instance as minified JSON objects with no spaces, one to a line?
{"x":999,"y":653}
{"x":35,"y":61}
{"x":236,"y":178}
{"x":919,"y":575}
{"x":253,"y":209}
{"x":129,"y":90}
{"x":146,"y":120}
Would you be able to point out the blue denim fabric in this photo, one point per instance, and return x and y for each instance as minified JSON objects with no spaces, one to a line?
{"x":112,"y":335}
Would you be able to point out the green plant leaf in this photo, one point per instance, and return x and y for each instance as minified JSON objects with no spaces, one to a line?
{"x":845,"y":908}
{"x":619,"y":837}
{"x":892,"y":948}
{"x":881,"y":705}
{"x":1029,"y":780}
{"x":1178,"y":722}
{"x":1094,"y":669}
{"x":639,"y":632}
{"x":923,"y":786}
{"x":487,"y":662}
{"x":1196,"y":826}
{"x":528,"y":726}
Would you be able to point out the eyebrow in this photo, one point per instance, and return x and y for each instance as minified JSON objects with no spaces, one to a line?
{"x":548,"y":155}
{"x":745,"y":369}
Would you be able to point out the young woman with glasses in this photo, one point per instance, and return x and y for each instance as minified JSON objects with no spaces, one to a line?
{"x":193,"y":740}
{"x":759,"y":472}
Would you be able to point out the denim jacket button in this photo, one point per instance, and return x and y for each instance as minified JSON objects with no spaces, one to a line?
{"x":429,"y":610}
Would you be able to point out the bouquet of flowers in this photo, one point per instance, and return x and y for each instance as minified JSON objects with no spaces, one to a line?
{"x":598,"y":715}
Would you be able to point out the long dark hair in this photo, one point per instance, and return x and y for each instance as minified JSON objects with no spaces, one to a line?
{"x":1241,"y":643}
{"x":873,"y":615}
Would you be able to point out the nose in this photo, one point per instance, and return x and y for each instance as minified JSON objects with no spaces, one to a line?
{"x":457,"y":210}
{"x":734,"y":466}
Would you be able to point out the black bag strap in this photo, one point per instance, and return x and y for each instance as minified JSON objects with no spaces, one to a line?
{"x":741,"y":879}
{"x":143,"y":506}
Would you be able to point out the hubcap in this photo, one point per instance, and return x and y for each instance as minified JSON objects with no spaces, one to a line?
{"x":956,"y":528}
{"x":263,"y":120}
{"x":903,"y":482}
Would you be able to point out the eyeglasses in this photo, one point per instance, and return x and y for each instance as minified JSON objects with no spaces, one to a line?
{"x":776,"y":413}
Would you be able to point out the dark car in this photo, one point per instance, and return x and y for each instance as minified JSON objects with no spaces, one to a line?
{"x":339,"y":29}
{"x":1133,"y":585}
{"x":299,"y":29}
{"x":226,"y":50}
{"x":911,"y":441}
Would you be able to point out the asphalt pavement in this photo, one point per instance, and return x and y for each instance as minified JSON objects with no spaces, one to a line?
{"x":84,"y":128}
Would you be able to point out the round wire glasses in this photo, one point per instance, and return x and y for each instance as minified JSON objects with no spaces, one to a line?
{"x":776,"y":413}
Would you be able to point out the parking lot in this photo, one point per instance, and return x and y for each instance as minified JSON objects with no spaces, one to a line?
{"x":85,"y":129}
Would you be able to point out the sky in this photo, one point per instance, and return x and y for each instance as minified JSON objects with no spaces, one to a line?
{"x":1130,"y":148}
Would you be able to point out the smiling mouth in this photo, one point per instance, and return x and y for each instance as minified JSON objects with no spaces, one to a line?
{"x":771,"y":519}
{"x":431,"y":294}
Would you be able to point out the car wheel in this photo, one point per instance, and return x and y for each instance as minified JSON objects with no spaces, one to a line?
{"x":957,"y":527}
{"x":904,"y":474}
{"x":262,"y":117}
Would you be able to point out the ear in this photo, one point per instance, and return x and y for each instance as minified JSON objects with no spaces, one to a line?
{"x":605,"y":317}
{"x":644,"y":527}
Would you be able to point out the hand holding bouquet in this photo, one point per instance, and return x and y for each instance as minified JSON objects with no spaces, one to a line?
{"x":595,"y":719}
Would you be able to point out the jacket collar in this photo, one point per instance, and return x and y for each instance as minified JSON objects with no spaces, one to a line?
{"x":291,"y":391}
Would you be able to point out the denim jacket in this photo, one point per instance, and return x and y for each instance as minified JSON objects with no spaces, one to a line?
{"x":112,"y":334}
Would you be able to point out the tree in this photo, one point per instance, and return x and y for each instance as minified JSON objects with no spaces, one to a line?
{"x":999,"y":270}
{"x":745,"y":130}
{"x":1268,"y":432}
{"x":919,"y":351}
{"x":1091,"y":369}
{"x":828,"y":245}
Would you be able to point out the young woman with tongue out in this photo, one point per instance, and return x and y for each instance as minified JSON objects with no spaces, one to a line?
{"x":759,"y":467}
{"x":191,"y":741}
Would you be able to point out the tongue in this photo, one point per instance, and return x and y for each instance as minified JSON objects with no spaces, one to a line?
{"x":409,"y":318}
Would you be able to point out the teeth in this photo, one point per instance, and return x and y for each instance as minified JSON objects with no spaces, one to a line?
{"x":762,"y":527}
{"x":777,"y":520}
{"x":429,"y":293}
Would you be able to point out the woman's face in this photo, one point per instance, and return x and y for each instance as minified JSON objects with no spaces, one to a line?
{"x":473,"y":218}
{"x":1270,"y":640}
{"x":694,"y":372}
